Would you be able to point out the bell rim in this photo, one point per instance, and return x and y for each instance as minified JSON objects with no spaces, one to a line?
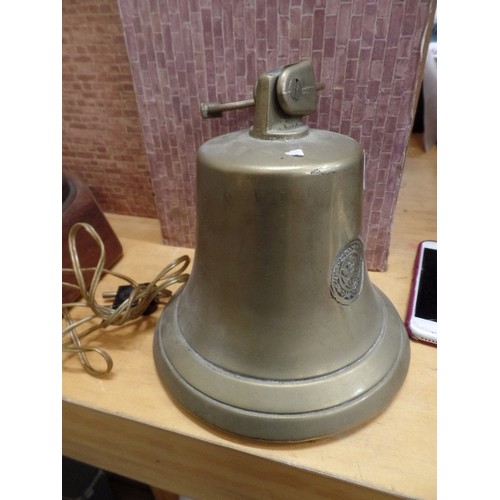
{"x":291,"y":426}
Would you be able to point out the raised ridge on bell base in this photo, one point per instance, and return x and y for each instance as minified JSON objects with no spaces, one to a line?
{"x":171,"y":352}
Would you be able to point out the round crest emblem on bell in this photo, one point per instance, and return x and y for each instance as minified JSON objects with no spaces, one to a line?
{"x":348,"y":273}
{"x":279,"y":333}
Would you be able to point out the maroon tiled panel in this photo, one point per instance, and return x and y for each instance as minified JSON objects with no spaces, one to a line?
{"x":367,"y":53}
{"x":101,"y":131}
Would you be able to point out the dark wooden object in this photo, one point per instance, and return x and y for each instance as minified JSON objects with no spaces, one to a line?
{"x":79,"y":205}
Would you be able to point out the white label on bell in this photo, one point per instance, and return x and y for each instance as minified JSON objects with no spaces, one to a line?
{"x":295,"y":152}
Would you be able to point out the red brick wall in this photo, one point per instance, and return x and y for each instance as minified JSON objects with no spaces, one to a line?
{"x":101,"y":132}
{"x":367,"y":53}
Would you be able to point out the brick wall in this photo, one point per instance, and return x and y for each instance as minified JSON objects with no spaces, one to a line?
{"x":367,"y":53}
{"x":138,"y":156}
{"x":101,"y":132}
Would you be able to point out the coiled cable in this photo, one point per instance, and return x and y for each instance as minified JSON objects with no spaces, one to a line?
{"x":139,"y":300}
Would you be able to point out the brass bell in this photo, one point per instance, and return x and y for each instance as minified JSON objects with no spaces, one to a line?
{"x":279,"y":333}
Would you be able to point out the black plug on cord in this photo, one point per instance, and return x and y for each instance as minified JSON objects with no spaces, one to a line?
{"x":123,"y":293}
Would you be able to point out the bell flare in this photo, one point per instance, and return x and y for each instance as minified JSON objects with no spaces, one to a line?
{"x":284,"y":410}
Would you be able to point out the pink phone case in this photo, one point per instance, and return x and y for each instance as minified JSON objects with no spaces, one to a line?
{"x":413,"y":291}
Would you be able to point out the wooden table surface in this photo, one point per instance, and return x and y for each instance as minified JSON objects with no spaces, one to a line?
{"x":127,"y":423}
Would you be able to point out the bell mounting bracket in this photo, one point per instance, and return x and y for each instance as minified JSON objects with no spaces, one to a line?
{"x":281,"y":98}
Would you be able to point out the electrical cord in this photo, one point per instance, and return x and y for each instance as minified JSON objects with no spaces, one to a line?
{"x":134,"y":303}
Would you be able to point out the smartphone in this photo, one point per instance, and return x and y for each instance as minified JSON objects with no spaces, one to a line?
{"x":421,"y":318}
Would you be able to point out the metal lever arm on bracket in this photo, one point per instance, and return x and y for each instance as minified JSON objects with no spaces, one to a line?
{"x":215,"y":109}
